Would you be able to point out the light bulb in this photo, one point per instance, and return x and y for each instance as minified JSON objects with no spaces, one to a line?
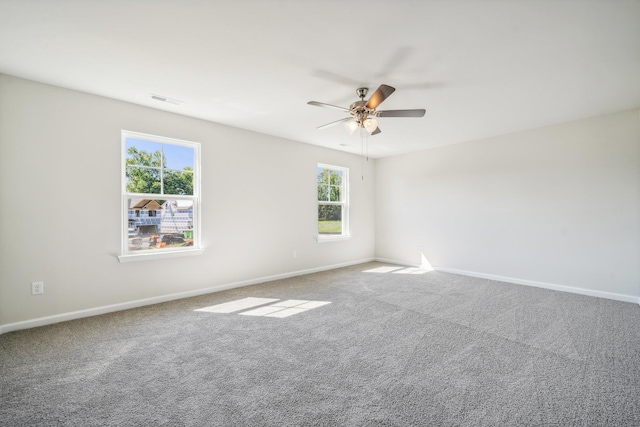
{"x":351,"y":126}
{"x":370,"y":125}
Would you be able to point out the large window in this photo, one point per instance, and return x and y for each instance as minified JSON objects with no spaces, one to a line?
{"x":160,"y":195}
{"x":333,"y":202}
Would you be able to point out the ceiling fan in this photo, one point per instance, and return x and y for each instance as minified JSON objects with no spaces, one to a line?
{"x":362,"y":114}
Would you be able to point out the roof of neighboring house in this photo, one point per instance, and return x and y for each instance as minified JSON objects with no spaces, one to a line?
{"x":145,"y":204}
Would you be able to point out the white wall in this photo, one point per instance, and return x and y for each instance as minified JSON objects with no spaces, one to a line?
{"x":558,"y":205}
{"x":60,"y":192}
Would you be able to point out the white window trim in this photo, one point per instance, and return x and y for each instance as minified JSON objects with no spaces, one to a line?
{"x":166,"y":253}
{"x":346,"y":235}
{"x":321,"y":238}
{"x":197,"y":249}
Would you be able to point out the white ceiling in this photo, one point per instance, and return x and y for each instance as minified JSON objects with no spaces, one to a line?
{"x":479,"y":68}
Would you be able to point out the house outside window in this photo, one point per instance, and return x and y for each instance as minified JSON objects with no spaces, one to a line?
{"x":333,"y":202}
{"x":160,"y":197}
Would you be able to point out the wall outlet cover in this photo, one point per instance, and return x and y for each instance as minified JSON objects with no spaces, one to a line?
{"x":37,"y":288}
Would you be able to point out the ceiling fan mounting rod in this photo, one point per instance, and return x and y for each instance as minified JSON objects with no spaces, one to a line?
{"x":362,"y":92}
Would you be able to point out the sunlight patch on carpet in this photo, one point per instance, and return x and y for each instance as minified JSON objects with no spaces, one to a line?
{"x":411,"y":270}
{"x":237,"y":305}
{"x":277,"y":309}
{"x":382,"y":270}
{"x":399,"y":270}
{"x":285,"y":308}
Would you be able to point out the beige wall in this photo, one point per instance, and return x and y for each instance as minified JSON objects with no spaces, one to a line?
{"x":558,"y":205}
{"x":60,"y":221}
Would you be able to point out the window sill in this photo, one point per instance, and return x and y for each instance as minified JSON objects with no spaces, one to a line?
{"x":133,"y":257}
{"x":332,"y":238}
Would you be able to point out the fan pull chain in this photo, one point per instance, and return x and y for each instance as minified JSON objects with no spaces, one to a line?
{"x":362,"y":150}
{"x":367,"y":137}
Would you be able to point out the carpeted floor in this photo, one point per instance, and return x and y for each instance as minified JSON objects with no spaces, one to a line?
{"x":393,"y":348}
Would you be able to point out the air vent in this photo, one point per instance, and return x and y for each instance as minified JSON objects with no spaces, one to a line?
{"x":167,"y":100}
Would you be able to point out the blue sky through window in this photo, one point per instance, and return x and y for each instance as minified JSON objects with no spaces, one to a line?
{"x":177,"y":156}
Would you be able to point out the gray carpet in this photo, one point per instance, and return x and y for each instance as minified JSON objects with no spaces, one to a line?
{"x":391,"y":349}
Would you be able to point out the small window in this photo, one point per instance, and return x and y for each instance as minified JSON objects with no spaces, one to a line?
{"x":161,"y":195}
{"x":333,"y":202}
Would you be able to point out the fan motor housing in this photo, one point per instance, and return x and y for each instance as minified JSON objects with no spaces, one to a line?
{"x":360,"y":111}
{"x":358,"y":105}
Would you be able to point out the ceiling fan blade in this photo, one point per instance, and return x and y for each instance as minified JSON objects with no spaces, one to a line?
{"x":346,"y":119}
{"x":337,"y":78}
{"x":401,"y":113}
{"x":379,"y":95}
{"x":375,"y":132}
{"x":322,"y":104}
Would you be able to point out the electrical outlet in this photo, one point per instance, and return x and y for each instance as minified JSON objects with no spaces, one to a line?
{"x":37,"y":288}
{"x":295,"y":254}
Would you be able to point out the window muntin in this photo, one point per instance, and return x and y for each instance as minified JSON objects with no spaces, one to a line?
{"x":332,"y":189}
{"x":160,"y":194}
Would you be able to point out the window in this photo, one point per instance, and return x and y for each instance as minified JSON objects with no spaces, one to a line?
{"x":333,"y":202}
{"x":160,"y":197}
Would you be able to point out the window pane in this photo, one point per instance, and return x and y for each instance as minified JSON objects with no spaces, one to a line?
{"x":323,"y":175}
{"x":335,"y":194}
{"x":178,"y":157}
{"x":159,"y":224}
{"x":329,"y":219}
{"x":143,"y":180}
{"x":178,"y":182}
{"x":336,"y":177}
{"x":143,"y":153}
{"x":323,"y":193}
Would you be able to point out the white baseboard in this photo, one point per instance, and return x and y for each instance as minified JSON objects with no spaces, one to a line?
{"x":48,"y":320}
{"x":551,"y":286}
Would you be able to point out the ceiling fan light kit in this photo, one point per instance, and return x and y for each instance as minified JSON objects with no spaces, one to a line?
{"x":362,"y":114}
{"x":351,"y":126}
{"x":370,"y":124}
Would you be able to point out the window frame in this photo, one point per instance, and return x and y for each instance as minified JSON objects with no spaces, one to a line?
{"x":127,"y":255}
{"x":345,"y":234}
